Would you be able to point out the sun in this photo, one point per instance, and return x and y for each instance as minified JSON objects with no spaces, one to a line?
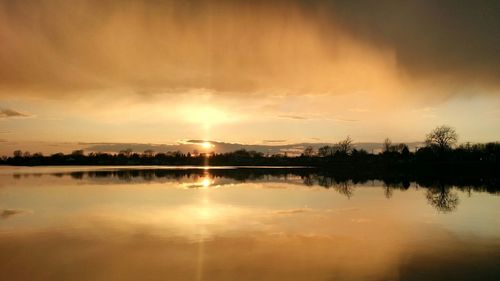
{"x":206,"y":145}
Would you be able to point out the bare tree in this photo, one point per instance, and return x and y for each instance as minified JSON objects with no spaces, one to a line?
{"x":78,"y":152}
{"x":387,"y":145}
{"x":326,"y":150}
{"x":127,"y":152}
{"x":345,"y":146}
{"x":149,"y":153}
{"x":443,"y":137}
{"x":309,"y":151}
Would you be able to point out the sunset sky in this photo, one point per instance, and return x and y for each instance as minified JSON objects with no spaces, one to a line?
{"x":250,"y":72}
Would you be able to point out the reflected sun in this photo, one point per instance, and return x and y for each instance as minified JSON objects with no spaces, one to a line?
{"x":206,"y":182}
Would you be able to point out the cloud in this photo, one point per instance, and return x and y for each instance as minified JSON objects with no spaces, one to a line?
{"x":10,"y":113}
{"x":360,"y":110}
{"x":292,"y":211}
{"x":160,"y":71}
{"x":296,"y":117}
{"x":273,"y":141}
{"x":145,"y":48}
{"x":301,"y":117}
{"x":450,"y":39}
{"x":197,"y":141}
{"x":224,"y":147}
{"x":361,"y":220}
{"x":344,"y":119}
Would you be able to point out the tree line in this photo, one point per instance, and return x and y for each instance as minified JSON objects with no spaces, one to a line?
{"x":440,"y":149}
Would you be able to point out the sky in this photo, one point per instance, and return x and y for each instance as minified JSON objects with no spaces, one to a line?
{"x":270,"y":72}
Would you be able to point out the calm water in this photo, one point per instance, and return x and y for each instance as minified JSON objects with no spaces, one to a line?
{"x":91,"y":223}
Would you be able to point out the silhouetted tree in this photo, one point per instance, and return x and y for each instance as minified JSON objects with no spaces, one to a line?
{"x":405,"y":152}
{"x":442,"y":137}
{"x":126,"y":152}
{"x":77,"y":152}
{"x":326,"y":150}
{"x":18,"y":153}
{"x":149,"y":153}
{"x":387,"y":145}
{"x":345,"y":146}
{"x":309,"y":151}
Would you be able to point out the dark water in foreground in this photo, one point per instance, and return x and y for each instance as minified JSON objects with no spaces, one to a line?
{"x":90,"y":223}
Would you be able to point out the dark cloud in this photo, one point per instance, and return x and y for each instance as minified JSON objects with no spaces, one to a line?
{"x":197,"y":141}
{"x":274,"y":141}
{"x":448,"y":38}
{"x":59,"y":47}
{"x":10,"y":113}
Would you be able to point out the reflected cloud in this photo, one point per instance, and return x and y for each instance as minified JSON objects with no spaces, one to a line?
{"x":11,"y":113}
{"x":102,"y":251}
{"x":266,"y":224}
{"x":8,"y":213}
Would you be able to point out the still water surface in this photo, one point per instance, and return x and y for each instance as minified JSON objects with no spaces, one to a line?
{"x":123,"y":223}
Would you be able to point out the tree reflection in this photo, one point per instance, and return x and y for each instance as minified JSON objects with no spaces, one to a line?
{"x":342,"y":185}
{"x":388,"y":191}
{"x":345,"y":189}
{"x":439,"y":192}
{"x":442,"y":198}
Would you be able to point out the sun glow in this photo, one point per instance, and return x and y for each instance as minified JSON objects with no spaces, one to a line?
{"x":207,"y":116}
{"x":206,"y":145}
{"x":206,"y":182}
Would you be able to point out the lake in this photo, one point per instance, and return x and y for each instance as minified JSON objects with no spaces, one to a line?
{"x":227,"y":223}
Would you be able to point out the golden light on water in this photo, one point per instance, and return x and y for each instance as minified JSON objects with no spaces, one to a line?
{"x":206,"y":212}
{"x":206,"y":182}
{"x":165,"y":97}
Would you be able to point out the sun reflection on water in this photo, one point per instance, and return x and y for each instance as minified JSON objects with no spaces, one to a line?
{"x":202,"y":183}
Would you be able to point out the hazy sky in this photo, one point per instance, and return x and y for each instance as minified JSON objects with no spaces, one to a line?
{"x":247,"y":71}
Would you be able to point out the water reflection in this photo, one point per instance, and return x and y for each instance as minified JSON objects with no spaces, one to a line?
{"x":442,"y":198}
{"x":244,"y":224}
{"x":439,"y":192}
